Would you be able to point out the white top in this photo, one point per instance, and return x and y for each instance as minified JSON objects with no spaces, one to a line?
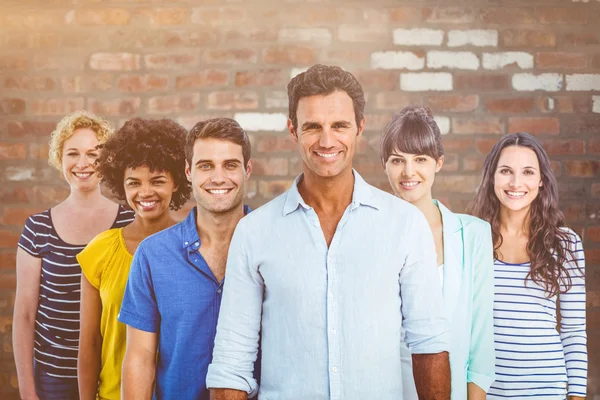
{"x":441,"y":272}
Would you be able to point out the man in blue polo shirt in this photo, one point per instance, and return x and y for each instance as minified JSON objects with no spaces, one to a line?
{"x":172,"y":300}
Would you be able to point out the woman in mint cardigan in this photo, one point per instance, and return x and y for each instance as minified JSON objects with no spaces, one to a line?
{"x":412,"y":153}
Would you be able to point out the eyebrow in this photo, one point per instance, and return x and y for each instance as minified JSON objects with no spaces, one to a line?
{"x":309,"y":123}
{"x":506,"y":166}
{"x":212,"y":162}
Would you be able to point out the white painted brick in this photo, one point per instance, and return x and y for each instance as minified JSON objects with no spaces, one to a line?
{"x":320,"y":36}
{"x":296,"y":71}
{"x":531,"y":82}
{"x":583,"y":82}
{"x":443,"y":123}
{"x":19,"y":173}
{"x":418,"y":37}
{"x":449,"y":59}
{"x":426,"y":81}
{"x":500,"y":60}
{"x":276,"y":100}
{"x":475,"y":37}
{"x":596,"y":104}
{"x":253,"y":122}
{"x":397,"y":60}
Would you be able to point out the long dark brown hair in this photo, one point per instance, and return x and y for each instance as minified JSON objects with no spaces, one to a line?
{"x":548,"y":244}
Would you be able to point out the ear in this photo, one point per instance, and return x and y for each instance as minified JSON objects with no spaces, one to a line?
{"x":439,"y":163}
{"x":249,"y":169}
{"x":293,"y":132}
{"x":361,"y":126}
{"x":188,"y":171}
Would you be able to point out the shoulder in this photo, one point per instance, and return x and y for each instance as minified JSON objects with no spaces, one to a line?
{"x":159,"y":239}
{"x":105,"y":239}
{"x":473,"y":224}
{"x":570,"y":239}
{"x":39,"y":221}
{"x":391,"y":203}
{"x":267,"y":213}
{"x":124,"y":216}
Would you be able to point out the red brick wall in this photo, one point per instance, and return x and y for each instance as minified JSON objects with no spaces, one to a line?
{"x":485,"y":67}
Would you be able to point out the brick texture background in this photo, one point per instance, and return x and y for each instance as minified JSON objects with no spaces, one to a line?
{"x":485,"y":67}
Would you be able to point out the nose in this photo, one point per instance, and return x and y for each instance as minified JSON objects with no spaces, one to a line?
{"x":408,"y":170}
{"x":326,"y":139}
{"x":82,"y":162}
{"x":515,"y":181}
{"x":145,"y":190}
{"x":218,"y":176}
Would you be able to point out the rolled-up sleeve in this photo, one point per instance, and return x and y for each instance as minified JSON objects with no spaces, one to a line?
{"x":482,"y":360}
{"x":426,"y":326}
{"x":238,"y":329}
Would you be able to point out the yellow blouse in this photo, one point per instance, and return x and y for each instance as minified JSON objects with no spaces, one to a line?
{"x":105,"y":262}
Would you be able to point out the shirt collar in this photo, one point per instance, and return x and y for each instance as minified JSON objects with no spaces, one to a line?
{"x":189,"y":231}
{"x":362,"y":194}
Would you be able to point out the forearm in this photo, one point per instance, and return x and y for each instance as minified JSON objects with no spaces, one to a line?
{"x":88,"y":368}
{"x":432,"y":376}
{"x":138,"y":377}
{"x":23,"y":334}
{"x":474,"y":392}
{"x":227,"y":394}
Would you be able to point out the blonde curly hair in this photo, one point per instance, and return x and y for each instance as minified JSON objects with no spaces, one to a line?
{"x":68,"y":125}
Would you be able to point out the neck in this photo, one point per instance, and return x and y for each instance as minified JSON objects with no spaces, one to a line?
{"x":429,"y":209}
{"x":146,"y":227}
{"x":514,"y":223}
{"x":217,"y":227}
{"x":327,"y":193}
{"x":85,"y":199}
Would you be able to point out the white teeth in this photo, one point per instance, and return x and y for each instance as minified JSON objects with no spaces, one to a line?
{"x":409,"y":184}
{"x":328,"y":155}
{"x":515,"y":194}
{"x":148,"y":203}
{"x":82,"y":174}
{"x":218,"y":191}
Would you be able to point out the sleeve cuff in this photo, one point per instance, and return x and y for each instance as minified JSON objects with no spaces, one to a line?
{"x":134,"y":321}
{"x":220,"y":377}
{"x":481,"y":380}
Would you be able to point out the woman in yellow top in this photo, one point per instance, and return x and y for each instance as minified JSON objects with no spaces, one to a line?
{"x":144,"y":164}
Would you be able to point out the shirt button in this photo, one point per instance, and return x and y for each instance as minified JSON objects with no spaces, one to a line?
{"x":219,"y":291}
{"x":196,"y":244}
{"x":186,"y":243}
{"x":316,"y":223}
{"x":333,"y":331}
{"x":333,"y":369}
{"x":330,"y":295}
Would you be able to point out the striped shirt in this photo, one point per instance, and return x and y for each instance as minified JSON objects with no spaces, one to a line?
{"x":57,"y":319}
{"x":533,"y":358}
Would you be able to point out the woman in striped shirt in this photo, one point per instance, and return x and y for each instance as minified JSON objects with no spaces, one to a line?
{"x":539,"y":264}
{"x":46,"y":315}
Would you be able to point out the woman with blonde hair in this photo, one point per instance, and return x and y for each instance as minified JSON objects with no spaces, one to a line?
{"x":46,"y":313}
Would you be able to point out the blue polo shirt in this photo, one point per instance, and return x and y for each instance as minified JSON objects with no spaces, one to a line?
{"x":171,"y":291}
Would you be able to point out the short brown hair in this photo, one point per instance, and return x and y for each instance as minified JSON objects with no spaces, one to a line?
{"x":218,"y":128}
{"x":412,"y":131}
{"x":324,"y":80}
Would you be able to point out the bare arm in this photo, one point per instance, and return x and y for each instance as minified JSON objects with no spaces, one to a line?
{"x":432,"y":376}
{"x":90,"y":341}
{"x":474,"y":392}
{"x":227,"y":394}
{"x":29,"y":270}
{"x":139,"y":365}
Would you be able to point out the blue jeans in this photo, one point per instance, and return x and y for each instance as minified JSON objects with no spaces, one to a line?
{"x":51,"y":388}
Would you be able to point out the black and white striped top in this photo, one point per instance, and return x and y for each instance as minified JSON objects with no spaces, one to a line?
{"x":57,"y":319}
{"x":533,"y":359}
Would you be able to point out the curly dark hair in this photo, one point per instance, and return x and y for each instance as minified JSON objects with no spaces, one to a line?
{"x":323,"y":80}
{"x":157,"y":144}
{"x":547,"y":246}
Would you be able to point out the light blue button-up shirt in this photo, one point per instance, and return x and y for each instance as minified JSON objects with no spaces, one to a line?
{"x":330,"y":319}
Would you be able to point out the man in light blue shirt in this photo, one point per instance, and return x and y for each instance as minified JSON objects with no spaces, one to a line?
{"x":330,"y":273}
